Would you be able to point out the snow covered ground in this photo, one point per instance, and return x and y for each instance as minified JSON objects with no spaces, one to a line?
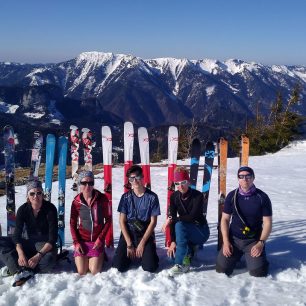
{"x":281,"y":175}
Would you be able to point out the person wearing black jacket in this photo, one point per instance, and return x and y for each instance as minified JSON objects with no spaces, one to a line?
{"x":188,"y":224}
{"x":33,"y":250}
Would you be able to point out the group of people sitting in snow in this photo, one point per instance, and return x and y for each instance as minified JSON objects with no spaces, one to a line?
{"x":245,"y":226}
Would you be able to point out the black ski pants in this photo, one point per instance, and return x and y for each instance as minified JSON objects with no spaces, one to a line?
{"x":257,"y":266}
{"x":9,"y":255}
{"x":149,"y":259}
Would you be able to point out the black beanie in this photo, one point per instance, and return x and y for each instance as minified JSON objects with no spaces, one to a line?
{"x":247,"y":169}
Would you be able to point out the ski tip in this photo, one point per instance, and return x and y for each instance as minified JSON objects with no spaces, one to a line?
{"x":73,"y":127}
{"x":85,"y":130}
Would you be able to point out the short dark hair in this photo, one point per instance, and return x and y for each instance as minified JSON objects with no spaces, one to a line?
{"x":134,"y":169}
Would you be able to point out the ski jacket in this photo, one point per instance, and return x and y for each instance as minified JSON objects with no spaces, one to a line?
{"x":89,"y":222}
{"x":42,"y":228}
{"x":188,"y":210}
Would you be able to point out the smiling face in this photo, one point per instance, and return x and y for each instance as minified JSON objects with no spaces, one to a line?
{"x":35,"y":196}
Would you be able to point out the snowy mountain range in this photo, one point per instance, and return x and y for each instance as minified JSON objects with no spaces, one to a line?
{"x":98,"y":87}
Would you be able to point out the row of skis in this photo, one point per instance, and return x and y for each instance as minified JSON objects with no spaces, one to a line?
{"x":86,"y":140}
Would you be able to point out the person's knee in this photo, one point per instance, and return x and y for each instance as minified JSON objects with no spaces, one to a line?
{"x":260,"y":272}
{"x":151,"y":267}
{"x":47,"y":263}
{"x":220,"y":269}
{"x":120,"y":264}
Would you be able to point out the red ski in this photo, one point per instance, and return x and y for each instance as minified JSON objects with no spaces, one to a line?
{"x":107,"y":167}
{"x":128,"y":151}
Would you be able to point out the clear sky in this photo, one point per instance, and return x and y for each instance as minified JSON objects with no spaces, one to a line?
{"x":265,"y":31}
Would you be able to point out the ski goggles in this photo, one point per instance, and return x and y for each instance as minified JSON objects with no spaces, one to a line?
{"x":38,"y":193}
{"x":90,"y":183}
{"x":184,"y":182}
{"x":133,"y":178}
{"x":245,"y":176}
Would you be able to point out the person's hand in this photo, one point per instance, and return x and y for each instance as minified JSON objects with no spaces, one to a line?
{"x":131,"y":252}
{"x":257,"y":249}
{"x":171,"y":250}
{"x":33,"y":261}
{"x":140,"y":249}
{"x":227,"y":249}
{"x":97,"y":245}
{"x":22,"y":260}
{"x":78,"y":248}
{"x":166,"y":224}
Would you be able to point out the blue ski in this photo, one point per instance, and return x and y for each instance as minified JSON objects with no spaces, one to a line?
{"x":62,"y":161}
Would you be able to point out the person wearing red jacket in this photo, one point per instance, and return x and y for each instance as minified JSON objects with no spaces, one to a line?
{"x":89,"y":223}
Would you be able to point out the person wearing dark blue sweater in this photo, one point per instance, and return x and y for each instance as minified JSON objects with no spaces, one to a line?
{"x":245,"y":225}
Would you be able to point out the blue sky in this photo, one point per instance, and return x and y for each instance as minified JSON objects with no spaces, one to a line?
{"x":265,"y":31}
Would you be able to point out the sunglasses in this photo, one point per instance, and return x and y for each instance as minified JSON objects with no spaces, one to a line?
{"x":244,"y":176}
{"x":133,"y":178}
{"x":181,"y":183}
{"x":91,"y":183}
{"x":38,"y":193}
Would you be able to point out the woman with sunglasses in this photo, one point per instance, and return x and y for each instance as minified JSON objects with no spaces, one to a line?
{"x":246,"y":224}
{"x":138,"y":210}
{"x":89,"y":223}
{"x":37,"y":252}
{"x":188,"y":225}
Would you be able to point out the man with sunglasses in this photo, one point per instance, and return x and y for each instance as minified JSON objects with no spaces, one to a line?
{"x":32,"y":247}
{"x":138,"y":210}
{"x":188,"y":224}
{"x":245,"y":226}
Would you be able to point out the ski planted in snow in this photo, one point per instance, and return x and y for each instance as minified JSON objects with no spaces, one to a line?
{"x":143,"y":140}
{"x":172,"y":160}
{"x":222,"y":168}
{"x":88,"y":144}
{"x":9,"y":157}
{"x":74,"y":150}
{"x":194,"y":162}
{"x":208,"y":167}
{"x":128,"y":132}
{"x":50,"y":151}
{"x":244,"y":150}
{"x":62,"y":160}
{"x":36,"y":155}
{"x":107,"y":168}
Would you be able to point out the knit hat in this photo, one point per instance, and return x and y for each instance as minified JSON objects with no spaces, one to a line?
{"x":34,"y":184}
{"x":181,"y":174}
{"x":84,"y":174}
{"x":247,"y":169}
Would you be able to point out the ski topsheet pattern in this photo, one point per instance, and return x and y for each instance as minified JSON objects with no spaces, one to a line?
{"x":88,"y":144}
{"x":222,"y":169}
{"x":107,"y":168}
{"x":194,"y":162}
{"x":36,"y":155}
{"x":128,"y":139}
{"x":62,"y":161}
{"x":9,"y":157}
{"x":74,"y":150}
{"x":50,"y":151}
{"x":143,"y":140}
{"x":172,"y":160}
{"x":209,"y":155}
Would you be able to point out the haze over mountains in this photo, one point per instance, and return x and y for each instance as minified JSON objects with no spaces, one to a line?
{"x":106,"y":88}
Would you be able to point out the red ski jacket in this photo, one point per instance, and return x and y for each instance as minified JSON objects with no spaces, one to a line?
{"x":89,"y":222}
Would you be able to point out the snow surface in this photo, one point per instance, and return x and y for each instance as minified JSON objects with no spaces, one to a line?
{"x":281,"y":175}
{"x":8,"y":108}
